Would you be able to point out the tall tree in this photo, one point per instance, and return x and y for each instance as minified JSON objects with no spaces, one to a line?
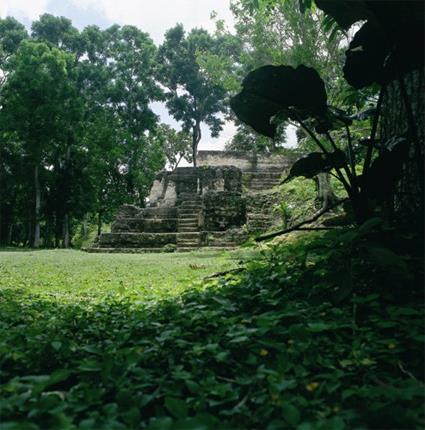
{"x":192,"y":98}
{"x":11,"y":35}
{"x":34,"y":105}
{"x":59,"y":32}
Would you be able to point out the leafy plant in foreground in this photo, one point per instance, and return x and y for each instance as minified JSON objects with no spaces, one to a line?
{"x":382,"y":51}
{"x":276,"y":347}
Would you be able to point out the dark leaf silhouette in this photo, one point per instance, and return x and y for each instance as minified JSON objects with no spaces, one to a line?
{"x":279,"y":90}
{"x":315,"y":163}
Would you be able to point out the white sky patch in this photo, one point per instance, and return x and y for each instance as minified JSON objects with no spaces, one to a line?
{"x":30,"y":9}
{"x":157,"y":16}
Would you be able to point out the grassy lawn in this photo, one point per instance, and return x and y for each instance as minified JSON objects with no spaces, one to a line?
{"x":73,"y":275}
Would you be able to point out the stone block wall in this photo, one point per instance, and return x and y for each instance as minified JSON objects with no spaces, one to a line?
{"x":246,"y":162}
{"x":223,"y":210}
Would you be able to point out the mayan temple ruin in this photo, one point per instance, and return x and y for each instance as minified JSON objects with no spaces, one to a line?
{"x":216,"y":205}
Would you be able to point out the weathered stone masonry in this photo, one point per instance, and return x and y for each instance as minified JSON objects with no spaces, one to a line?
{"x":216,"y":204}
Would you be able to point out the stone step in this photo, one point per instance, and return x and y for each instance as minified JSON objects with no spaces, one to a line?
{"x":264,"y":175}
{"x":190,"y":235}
{"x":136,"y":240}
{"x":188,"y":230}
{"x":184,"y":212}
{"x":221,"y":244}
{"x":190,"y":204}
{"x":190,"y":208}
{"x":124,"y":250}
{"x":258,"y":216}
{"x":204,"y":248}
{"x":187,"y":219}
{"x":159,"y":213}
{"x":187,"y":248}
{"x":188,"y":242}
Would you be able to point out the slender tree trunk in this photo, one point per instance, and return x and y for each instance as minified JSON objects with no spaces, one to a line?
{"x":1,"y":222}
{"x":67,"y":190}
{"x":85,"y":226}
{"x":66,"y":231}
{"x":325,"y":195}
{"x":99,"y":223}
{"x":9,"y":234}
{"x":29,"y":232}
{"x":196,"y":138}
{"x":48,"y":233}
{"x":36,"y":242}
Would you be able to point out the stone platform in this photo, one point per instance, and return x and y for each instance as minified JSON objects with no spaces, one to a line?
{"x":215,"y":205}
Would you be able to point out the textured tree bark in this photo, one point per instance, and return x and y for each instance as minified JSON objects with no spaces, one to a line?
{"x":66,"y":231}
{"x":325,"y":195}
{"x":65,"y":222}
{"x":196,"y":138}
{"x":36,"y":242}
{"x":409,"y":195}
{"x":99,"y":223}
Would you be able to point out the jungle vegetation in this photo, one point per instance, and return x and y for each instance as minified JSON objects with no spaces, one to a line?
{"x":315,"y":330}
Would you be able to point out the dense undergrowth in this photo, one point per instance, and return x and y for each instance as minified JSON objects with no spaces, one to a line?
{"x":324,"y":332}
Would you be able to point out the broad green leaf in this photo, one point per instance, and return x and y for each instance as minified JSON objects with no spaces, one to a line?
{"x":176,"y":407}
{"x":290,"y":413}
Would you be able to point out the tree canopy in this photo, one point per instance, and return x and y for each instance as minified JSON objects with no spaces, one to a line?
{"x":191,"y":97}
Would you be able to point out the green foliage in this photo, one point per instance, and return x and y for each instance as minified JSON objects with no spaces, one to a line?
{"x":191,"y":97}
{"x":177,"y":145}
{"x":12,"y":33}
{"x":279,"y":346}
{"x":76,"y":138}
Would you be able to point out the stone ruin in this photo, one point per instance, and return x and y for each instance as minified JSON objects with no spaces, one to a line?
{"x":215,"y":205}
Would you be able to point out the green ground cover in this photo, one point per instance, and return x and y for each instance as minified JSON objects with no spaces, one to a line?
{"x":323,"y":332}
{"x":74,"y":275}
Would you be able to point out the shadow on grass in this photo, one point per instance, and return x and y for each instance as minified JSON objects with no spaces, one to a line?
{"x":244,"y":352}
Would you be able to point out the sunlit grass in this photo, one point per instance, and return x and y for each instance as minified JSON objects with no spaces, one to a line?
{"x":75,"y":275}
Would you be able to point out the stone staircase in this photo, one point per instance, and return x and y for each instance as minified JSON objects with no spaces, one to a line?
{"x":188,"y":216}
{"x":261,"y":181}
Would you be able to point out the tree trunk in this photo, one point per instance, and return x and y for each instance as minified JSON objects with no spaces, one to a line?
{"x":99,"y":223}
{"x":85,"y":225}
{"x":67,"y":190}
{"x":196,"y":138}
{"x":66,"y":231}
{"x":36,"y":241}
{"x":408,"y":203}
{"x":48,"y":232}
{"x":9,"y":234}
{"x":325,"y":195}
